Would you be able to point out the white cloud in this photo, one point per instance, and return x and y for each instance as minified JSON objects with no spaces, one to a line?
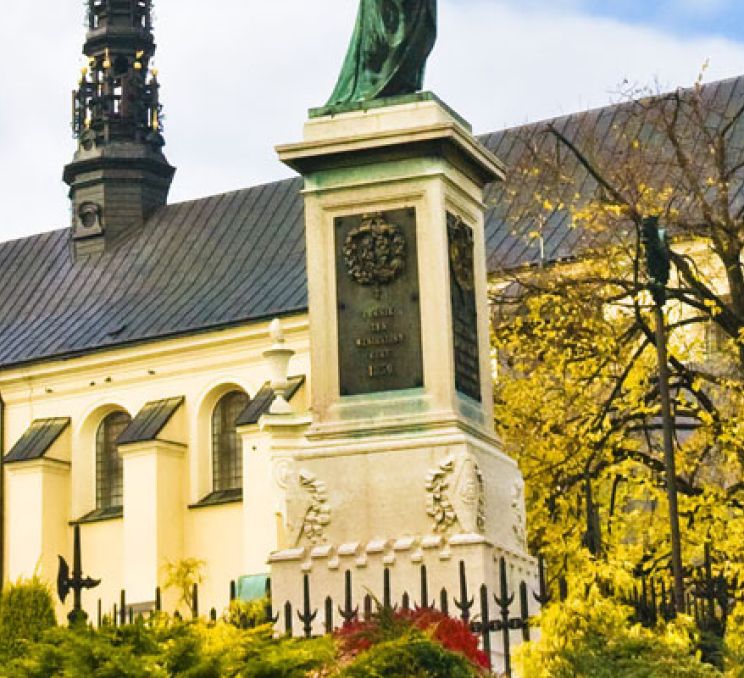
{"x":239,"y":75}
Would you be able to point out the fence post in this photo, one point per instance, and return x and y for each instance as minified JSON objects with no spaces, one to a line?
{"x":99,"y":614}
{"x":232,"y":590}
{"x":195,"y":601}
{"x":406,"y":602}
{"x":367,"y":607}
{"x":158,"y":600}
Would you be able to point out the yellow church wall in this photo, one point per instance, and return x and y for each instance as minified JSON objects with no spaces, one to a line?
{"x":37,"y":490}
{"x":201,"y":368}
{"x":103,"y":552}
{"x":216,"y":535}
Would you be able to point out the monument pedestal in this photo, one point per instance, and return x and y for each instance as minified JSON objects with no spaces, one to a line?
{"x":401,"y":467}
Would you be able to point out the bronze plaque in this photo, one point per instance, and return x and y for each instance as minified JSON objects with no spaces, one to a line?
{"x":464,"y":309}
{"x":379,"y":319}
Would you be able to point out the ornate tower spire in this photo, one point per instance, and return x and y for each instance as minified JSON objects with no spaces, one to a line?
{"x":119,"y":174}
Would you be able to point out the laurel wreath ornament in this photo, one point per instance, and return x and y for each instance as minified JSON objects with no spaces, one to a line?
{"x":375,"y":252}
{"x":461,"y":254}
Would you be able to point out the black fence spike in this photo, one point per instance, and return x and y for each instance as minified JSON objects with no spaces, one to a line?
{"x":424,"y":604}
{"x":543,"y":596}
{"x":131,"y":615}
{"x":484,"y":626}
{"x":116,"y":615}
{"x":195,"y":601}
{"x":213,"y":615}
{"x":268,"y":607}
{"x":158,"y":599}
{"x":328,"y":620}
{"x":288,"y":619}
{"x":443,"y":602}
{"x":524,"y":611}
{"x":504,"y":601}
{"x":307,"y":616}
{"x":367,"y":607}
{"x":348,"y":612}
{"x":387,"y":602}
{"x":99,"y":613}
{"x":233,"y":590}
{"x":465,"y":603}
{"x":406,"y":601}
{"x":123,"y":608}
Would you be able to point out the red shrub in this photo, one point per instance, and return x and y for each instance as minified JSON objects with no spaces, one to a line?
{"x":387,"y":624}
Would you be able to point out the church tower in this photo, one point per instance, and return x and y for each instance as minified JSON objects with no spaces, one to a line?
{"x":119,"y":174}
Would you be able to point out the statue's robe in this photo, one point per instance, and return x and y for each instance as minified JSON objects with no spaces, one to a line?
{"x":387,"y":56}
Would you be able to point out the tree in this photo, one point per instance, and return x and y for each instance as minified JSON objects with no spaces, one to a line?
{"x":577,"y":393}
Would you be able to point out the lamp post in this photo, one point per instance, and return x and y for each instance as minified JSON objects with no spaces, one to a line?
{"x":656,"y":245}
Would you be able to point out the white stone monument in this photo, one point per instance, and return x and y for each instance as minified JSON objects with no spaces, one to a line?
{"x":400,"y":466}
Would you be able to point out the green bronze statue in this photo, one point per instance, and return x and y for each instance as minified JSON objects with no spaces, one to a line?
{"x":387,"y":55}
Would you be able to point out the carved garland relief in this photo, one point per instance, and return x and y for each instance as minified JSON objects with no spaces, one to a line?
{"x":517,"y":506}
{"x":308,"y":508}
{"x":456,"y":494}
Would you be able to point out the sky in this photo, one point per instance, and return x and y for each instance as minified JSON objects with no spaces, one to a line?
{"x":238,"y":77}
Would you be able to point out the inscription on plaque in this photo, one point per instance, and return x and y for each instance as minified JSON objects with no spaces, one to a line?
{"x":464,"y":310}
{"x":379,"y":319}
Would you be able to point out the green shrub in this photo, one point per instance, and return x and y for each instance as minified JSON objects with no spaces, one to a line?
{"x":246,"y":613}
{"x":413,"y":655}
{"x":265,"y":657}
{"x":163,"y":647}
{"x":26,"y":611}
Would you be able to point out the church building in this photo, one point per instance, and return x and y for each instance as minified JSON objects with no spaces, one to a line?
{"x":290,"y":379}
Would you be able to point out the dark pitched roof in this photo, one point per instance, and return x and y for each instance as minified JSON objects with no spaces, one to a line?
{"x":225,"y":260}
{"x":150,"y":420}
{"x":37,"y":439}
{"x":604,"y":134}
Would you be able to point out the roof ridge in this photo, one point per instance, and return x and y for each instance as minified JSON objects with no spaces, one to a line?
{"x":596,"y":109}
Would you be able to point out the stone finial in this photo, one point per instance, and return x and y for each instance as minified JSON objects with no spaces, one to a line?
{"x":278,"y":357}
{"x":276,"y":331}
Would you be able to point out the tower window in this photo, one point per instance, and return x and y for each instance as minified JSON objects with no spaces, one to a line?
{"x":227,"y":453}
{"x":109,"y":475}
